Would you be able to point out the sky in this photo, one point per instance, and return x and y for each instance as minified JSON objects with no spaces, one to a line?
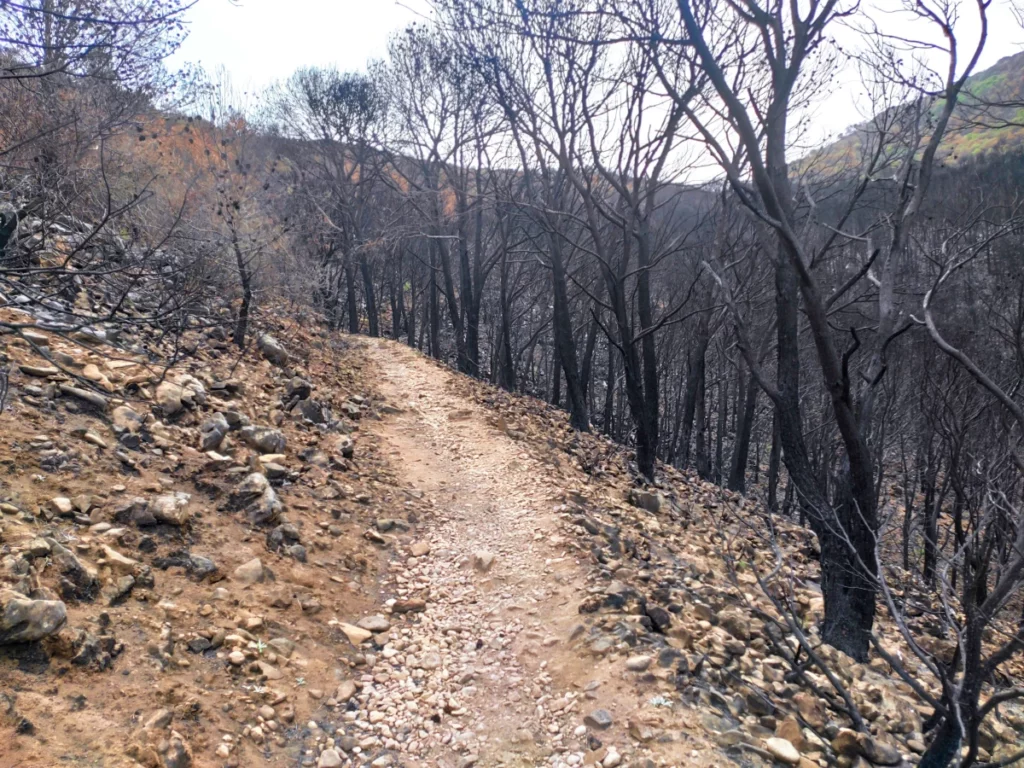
{"x":261,"y":41}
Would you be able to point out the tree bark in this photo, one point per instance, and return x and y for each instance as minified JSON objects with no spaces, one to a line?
{"x":694,"y":382}
{"x":352,"y":303}
{"x":741,"y":445}
{"x":723,"y":420}
{"x":774,"y":460}
{"x":566,"y":345}
{"x":700,"y":443}
{"x":609,"y":393}
{"x":245,"y":277}
{"x":506,"y":369}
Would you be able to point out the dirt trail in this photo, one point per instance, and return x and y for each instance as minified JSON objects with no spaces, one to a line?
{"x":514,"y":690}
{"x":490,"y":497}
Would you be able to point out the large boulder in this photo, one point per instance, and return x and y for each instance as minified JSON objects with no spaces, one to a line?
{"x":168,"y":397}
{"x":251,"y":572}
{"x":298,"y":388}
{"x":77,"y":580}
{"x":174,"y":396}
{"x":258,"y":498}
{"x":212,"y":432}
{"x":23,"y":620}
{"x":315,"y":411}
{"x":170,"y":508}
{"x":264,"y":439}
{"x":126,"y":419}
{"x":272,"y":350}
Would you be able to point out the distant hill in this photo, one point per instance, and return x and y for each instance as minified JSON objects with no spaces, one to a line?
{"x":989,"y":120}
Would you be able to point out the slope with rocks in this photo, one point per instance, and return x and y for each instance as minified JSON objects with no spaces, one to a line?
{"x":657,"y":616}
{"x":331,"y":551}
{"x":182,"y":548}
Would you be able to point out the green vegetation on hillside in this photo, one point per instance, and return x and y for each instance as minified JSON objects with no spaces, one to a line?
{"x":989,"y":119}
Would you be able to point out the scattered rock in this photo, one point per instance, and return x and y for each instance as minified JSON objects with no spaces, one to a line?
{"x":413,"y":605}
{"x":256,"y":495}
{"x":212,"y":432}
{"x":483,"y":561}
{"x":92,"y":398}
{"x":346,"y":690}
{"x":272,"y":350}
{"x":171,"y":508}
{"x":62,"y":506}
{"x":790,"y":730}
{"x":599,"y":719}
{"x":263,"y":439}
{"x":23,"y":620}
{"x":638,"y":663}
{"x":374,"y":624}
{"x":39,"y":371}
{"x":126,"y":420}
{"x":356,"y":635}
{"x":420,"y":549}
{"x":77,"y":580}
{"x":251,"y":572}
{"x":168,"y":397}
{"x":783,"y":751}
{"x":647,"y":500}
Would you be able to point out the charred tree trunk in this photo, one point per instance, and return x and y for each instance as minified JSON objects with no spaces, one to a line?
{"x":411,"y":317}
{"x":556,"y":379}
{"x":507,"y":367}
{"x":694,"y":382}
{"x":647,"y":436}
{"x":741,"y":445}
{"x":435,"y":310}
{"x":564,"y":341}
{"x":609,"y":393}
{"x":245,"y":278}
{"x":586,"y":373}
{"x":774,"y":460}
{"x":370,"y":294}
{"x":703,"y":461}
{"x":723,"y":420}
{"x":352,"y":303}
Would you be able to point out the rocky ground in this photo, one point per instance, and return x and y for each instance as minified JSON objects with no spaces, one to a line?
{"x":334,"y":552}
{"x":180,"y":550}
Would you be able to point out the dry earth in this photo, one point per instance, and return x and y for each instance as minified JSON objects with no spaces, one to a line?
{"x":479,"y":661}
{"x":424,"y":571}
{"x":501,"y":631}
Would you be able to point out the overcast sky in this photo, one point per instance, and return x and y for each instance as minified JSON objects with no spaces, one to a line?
{"x":260,"y":41}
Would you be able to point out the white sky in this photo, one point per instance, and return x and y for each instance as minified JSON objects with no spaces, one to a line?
{"x":261,"y":41}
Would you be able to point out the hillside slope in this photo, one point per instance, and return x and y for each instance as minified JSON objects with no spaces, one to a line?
{"x":988,"y":120}
{"x":392,"y":564}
